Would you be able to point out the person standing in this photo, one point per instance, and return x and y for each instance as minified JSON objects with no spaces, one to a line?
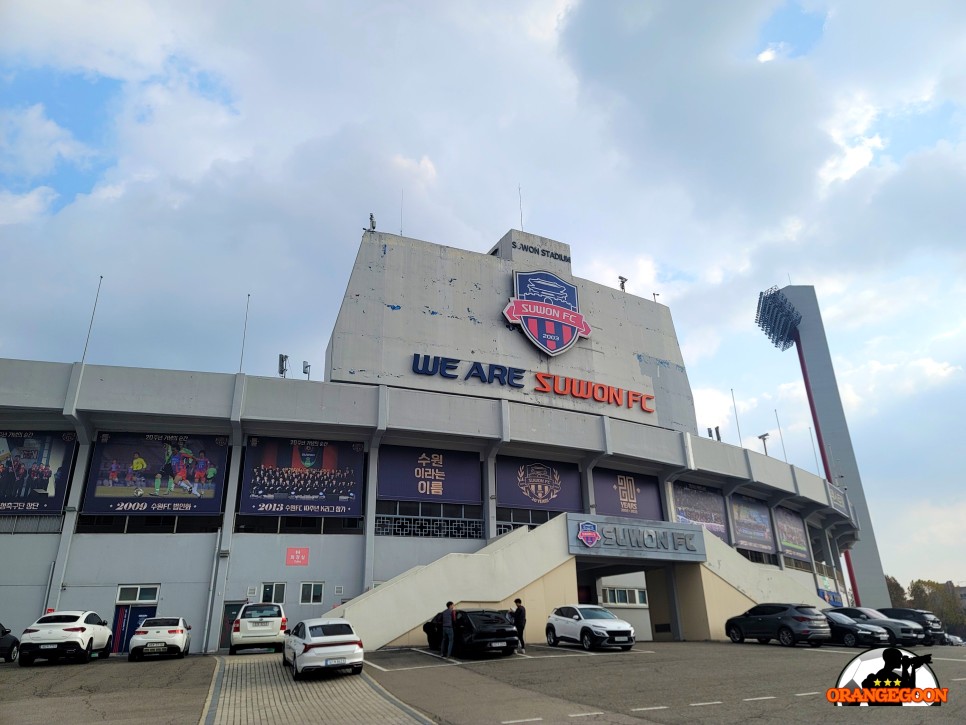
{"x":448,"y":629}
{"x":520,"y":622}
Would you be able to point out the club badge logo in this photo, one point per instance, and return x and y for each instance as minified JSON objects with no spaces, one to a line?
{"x":547,"y":309}
{"x":888,"y":676}
{"x":538,"y":482}
{"x":588,"y":533}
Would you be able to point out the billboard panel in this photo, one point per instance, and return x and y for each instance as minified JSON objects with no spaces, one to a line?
{"x":791,"y":534}
{"x":752,"y":524}
{"x":429,"y":474}
{"x":156,"y":473}
{"x":295,"y":477}
{"x":34,"y":471}
{"x":837,"y":497}
{"x":698,"y":504}
{"x":627,"y":494}
{"x":531,"y":484}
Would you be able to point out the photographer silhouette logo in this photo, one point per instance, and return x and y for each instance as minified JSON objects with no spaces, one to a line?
{"x":888,"y":676}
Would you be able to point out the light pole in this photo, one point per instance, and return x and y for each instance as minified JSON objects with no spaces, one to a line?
{"x":764,"y":441}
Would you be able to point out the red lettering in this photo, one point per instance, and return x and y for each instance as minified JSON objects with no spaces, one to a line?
{"x":644,"y":401}
{"x":633,"y":397}
{"x":600,"y":392}
{"x":582,"y":389}
{"x":562,"y":386}
{"x":543,"y":382}
{"x":616,"y":396}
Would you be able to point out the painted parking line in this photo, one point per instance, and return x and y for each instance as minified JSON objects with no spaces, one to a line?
{"x":513,"y":722}
{"x":806,"y":694}
{"x":373,"y":664}
{"x":644,"y":709}
{"x":959,"y":679}
{"x":702,"y":704}
{"x":753,"y":699}
{"x":585,"y":714}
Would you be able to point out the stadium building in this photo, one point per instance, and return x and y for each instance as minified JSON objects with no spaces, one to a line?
{"x":489,"y":427}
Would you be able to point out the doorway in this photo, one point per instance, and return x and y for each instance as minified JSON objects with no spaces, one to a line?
{"x":227,"y":619}
{"x":127,"y":618}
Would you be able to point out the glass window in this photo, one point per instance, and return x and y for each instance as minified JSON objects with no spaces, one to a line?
{"x":312,"y":592}
{"x":127,"y":594}
{"x":386,"y":508}
{"x":473,"y":512}
{"x":273,"y":592}
{"x":148,"y":594}
{"x":92,"y":619}
{"x":539,"y":517}
{"x":520,"y":516}
{"x":409,"y":508}
{"x":452,"y":511}
{"x":330,"y":630}
{"x":432,"y":510}
{"x":642,"y":596}
{"x":257,"y":611}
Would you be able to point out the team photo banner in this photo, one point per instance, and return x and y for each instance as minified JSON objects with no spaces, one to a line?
{"x":627,"y":494}
{"x":791,"y":534}
{"x":530,"y":484}
{"x":296,"y":477}
{"x":429,"y":474}
{"x":34,"y":471}
{"x":156,"y":473}
{"x":697,"y":504}
{"x":752,"y":524}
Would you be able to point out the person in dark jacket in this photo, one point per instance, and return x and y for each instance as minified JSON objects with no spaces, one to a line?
{"x":520,"y":622}
{"x":447,"y":624}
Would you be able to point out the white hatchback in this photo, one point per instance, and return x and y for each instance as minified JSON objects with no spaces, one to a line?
{"x":590,"y":626}
{"x":69,"y":635}
{"x":322,"y":644}
{"x":258,"y":626}
{"x":160,"y":636}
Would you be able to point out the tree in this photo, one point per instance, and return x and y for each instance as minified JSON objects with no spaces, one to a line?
{"x":896,"y":593}
{"x":941,"y":600}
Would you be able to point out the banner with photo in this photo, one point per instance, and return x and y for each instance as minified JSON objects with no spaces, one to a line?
{"x":156,"y":473}
{"x":634,"y":495}
{"x":430,"y":474}
{"x":752,"y":524}
{"x":697,"y":504}
{"x":837,"y":498}
{"x":296,"y":477}
{"x":34,"y":471}
{"x":530,"y":484}
{"x":791,"y":534}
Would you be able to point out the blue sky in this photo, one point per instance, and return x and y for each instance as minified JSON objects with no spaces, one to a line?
{"x":193,"y":153}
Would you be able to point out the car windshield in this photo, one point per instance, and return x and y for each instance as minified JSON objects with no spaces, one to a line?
{"x":330,"y":630}
{"x":840,"y":618}
{"x":270,"y":610}
{"x":872,"y":613}
{"x":167,"y":622}
{"x":487,"y":618}
{"x":595,"y":613}
{"x":58,"y":619}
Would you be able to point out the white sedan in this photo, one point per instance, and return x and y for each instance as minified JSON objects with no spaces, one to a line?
{"x":72,"y":635}
{"x":160,"y":636}
{"x":322,"y":644}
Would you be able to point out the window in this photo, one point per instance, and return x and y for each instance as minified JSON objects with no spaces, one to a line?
{"x":312,"y":592}
{"x":625,"y":596}
{"x":273,"y":592}
{"x":138,"y":593}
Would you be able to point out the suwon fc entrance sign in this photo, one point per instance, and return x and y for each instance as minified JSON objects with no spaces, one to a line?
{"x":613,"y":536}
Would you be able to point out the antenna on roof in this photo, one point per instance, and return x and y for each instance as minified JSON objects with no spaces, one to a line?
{"x":400,"y":210}
{"x":520,"y":194}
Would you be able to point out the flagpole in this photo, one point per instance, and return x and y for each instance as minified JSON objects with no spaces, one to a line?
{"x":93,"y":312}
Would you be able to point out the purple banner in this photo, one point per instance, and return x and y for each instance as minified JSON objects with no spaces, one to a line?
{"x":429,"y":474}
{"x":156,"y":473}
{"x":34,"y":471}
{"x":698,"y":504}
{"x":752,"y":524}
{"x":791,"y":534}
{"x":530,"y":484}
{"x":627,"y":494}
{"x":295,"y":477}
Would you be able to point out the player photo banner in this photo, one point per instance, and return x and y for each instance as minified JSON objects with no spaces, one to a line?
{"x":156,"y":473}
{"x":34,"y":471}
{"x":531,"y":484}
{"x":295,"y":477}
{"x":698,"y":504}
{"x":627,"y":494}
{"x":426,"y":474}
{"x":752,"y":524}
{"x":791,"y":534}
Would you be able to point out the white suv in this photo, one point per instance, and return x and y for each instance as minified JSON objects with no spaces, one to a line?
{"x":257,"y":626}
{"x":70,"y":635}
{"x":590,"y":626}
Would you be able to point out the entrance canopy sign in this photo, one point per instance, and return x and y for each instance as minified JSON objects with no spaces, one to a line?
{"x":613,"y":536}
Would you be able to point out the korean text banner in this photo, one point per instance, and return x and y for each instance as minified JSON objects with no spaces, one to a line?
{"x":429,"y":474}
{"x":156,"y":473}
{"x":295,"y":477}
{"x":791,"y":534}
{"x":752,"y":524}
{"x":526,"y":483}
{"x":837,"y":497}
{"x":698,"y":504}
{"x":34,"y":471}
{"x":627,"y":494}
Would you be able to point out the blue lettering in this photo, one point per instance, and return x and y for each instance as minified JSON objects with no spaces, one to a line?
{"x":423,"y":367}
{"x":449,"y":364}
{"x":516,"y":375}
{"x":476,"y":371}
{"x":498,"y":373}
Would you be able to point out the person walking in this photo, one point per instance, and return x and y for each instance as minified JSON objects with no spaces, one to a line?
{"x":520,"y":622}
{"x":447,"y":627}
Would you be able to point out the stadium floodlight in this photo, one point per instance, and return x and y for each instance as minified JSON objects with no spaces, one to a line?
{"x":764,"y":441}
{"x":778,"y":318}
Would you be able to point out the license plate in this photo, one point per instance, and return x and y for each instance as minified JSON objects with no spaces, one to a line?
{"x":48,"y":646}
{"x":497,"y":644}
{"x":259,"y":624}
{"x":335,"y":661}
{"x":155,"y":645}
{"x":620,"y":639}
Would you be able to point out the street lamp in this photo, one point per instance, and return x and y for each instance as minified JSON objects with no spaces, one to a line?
{"x":764,"y":441}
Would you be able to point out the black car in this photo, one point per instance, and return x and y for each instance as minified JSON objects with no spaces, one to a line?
{"x":853,"y":634}
{"x":932,"y":627}
{"x":9,"y":645}
{"x":788,"y":623}
{"x":478,"y":631}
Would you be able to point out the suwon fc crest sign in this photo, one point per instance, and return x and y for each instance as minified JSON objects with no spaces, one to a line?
{"x":547,"y":309}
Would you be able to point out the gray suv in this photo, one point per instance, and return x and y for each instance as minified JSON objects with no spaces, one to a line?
{"x":931,"y":625}
{"x":788,"y":623}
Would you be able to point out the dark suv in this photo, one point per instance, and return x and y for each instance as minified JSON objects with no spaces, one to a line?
{"x":788,"y":623}
{"x":478,"y":631}
{"x":932,"y":627}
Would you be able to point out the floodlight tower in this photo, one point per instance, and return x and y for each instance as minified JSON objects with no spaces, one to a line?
{"x":791,"y":316}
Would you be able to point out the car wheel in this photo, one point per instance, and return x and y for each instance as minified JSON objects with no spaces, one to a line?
{"x":586,"y":641}
{"x":552,"y":637}
{"x":85,"y":655}
{"x":849,"y":640}
{"x":285,"y":662}
{"x":296,"y":675}
{"x":26,"y":660}
{"x":508,"y":651}
{"x":11,"y":656}
{"x":232,"y":650}
{"x":735,"y":634}
{"x":181,"y":654}
{"x":928,"y":642}
{"x":764,"y":640}
{"x":132,"y":656}
{"x":357,"y":670}
{"x":815,"y":644}
{"x":786,"y":637}
{"x":893,"y":640}
{"x":279,"y":647}
{"x":626,"y":648}
{"x":106,"y":652}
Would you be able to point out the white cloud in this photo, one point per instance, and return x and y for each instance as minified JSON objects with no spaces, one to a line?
{"x":31,"y":144}
{"x":422,"y":171}
{"x":25,"y":208}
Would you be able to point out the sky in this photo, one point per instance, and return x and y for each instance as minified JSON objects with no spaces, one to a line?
{"x":194,"y":154}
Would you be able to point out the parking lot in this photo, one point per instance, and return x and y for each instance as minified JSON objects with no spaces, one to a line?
{"x":653,"y":683}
